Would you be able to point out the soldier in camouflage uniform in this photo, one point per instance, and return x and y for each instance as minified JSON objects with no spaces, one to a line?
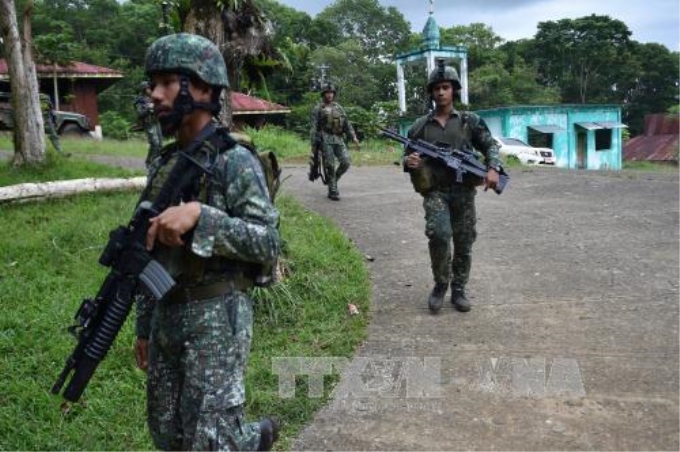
{"x":449,"y":206}
{"x":194,"y":343}
{"x":146,"y":120}
{"x":329,"y":129}
{"x":49,"y":121}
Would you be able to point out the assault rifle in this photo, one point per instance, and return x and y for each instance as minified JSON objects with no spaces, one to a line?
{"x":463,"y":163}
{"x":99,"y":319}
{"x":316,"y":167}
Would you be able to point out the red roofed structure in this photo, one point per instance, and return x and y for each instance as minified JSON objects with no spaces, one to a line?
{"x":73,"y":87}
{"x":254,"y":112}
{"x":659,"y":143}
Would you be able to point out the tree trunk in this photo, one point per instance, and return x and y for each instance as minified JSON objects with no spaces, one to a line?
{"x":205,"y":19}
{"x":29,"y":137}
{"x":40,"y":191}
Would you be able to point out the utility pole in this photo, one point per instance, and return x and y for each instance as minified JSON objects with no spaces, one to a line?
{"x":165,"y":25}
{"x":322,"y":80}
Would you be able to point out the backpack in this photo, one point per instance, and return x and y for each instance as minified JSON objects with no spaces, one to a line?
{"x":268,"y":161}
{"x":267,"y":275}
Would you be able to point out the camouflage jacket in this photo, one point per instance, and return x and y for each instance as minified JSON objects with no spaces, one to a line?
{"x":329,"y":123}
{"x":237,"y":224}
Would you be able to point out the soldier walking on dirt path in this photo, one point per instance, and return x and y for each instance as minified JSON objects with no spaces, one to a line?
{"x":449,"y":205}
{"x":329,"y":128}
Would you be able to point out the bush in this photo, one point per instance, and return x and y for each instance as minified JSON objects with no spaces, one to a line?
{"x":114,"y":126}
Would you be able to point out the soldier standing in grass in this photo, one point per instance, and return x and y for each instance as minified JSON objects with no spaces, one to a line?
{"x":195,"y":342}
{"x":50,"y":122}
{"x":449,"y":205}
{"x":330,"y":127}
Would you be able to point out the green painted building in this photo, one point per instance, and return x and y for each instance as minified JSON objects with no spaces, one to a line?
{"x":582,"y":136}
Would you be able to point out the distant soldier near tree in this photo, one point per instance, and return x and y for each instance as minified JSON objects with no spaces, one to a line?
{"x":50,"y":121}
{"x":147,"y":121}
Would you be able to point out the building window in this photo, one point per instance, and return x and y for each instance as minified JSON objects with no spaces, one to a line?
{"x":603,"y":139}
{"x":540,"y":140}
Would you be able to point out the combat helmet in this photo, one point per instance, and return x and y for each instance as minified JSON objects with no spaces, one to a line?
{"x":188,"y":54}
{"x":443,"y":73}
{"x":326,"y":87}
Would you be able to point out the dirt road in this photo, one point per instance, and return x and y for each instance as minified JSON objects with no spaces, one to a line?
{"x":572,"y":342}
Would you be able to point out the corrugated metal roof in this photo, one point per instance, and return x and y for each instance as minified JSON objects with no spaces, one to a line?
{"x":656,"y":148}
{"x":547,"y":128}
{"x":661,"y":124}
{"x":243,"y":104}
{"x":612,"y":125}
{"x":76,"y":68}
{"x":589,"y":125}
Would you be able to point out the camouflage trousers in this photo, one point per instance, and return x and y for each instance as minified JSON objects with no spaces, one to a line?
{"x":450,"y":217}
{"x":195,"y":389}
{"x":51,"y":131}
{"x":333,"y":150}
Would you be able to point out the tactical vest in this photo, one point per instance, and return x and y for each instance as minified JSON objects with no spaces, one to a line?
{"x":332,"y":120}
{"x":186,"y":267}
{"x":429,"y":176}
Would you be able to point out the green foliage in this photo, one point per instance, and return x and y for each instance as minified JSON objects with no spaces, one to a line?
{"x":285,"y":144}
{"x":49,"y":264}
{"x":114,"y":126}
{"x":381,"y":31}
{"x":582,"y":55}
{"x":651,"y":83}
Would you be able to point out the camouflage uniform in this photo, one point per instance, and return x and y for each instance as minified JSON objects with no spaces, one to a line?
{"x":199,"y":346}
{"x":449,"y":206}
{"x":330,"y":127}
{"x":146,"y":119}
{"x":50,"y":125}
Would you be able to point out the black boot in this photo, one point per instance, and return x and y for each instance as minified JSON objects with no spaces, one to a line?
{"x":269,"y":433}
{"x":459,"y":299}
{"x":436,"y":299}
{"x":334,"y":195}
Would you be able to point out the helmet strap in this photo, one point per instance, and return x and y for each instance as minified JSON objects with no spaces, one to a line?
{"x":183,"y":105}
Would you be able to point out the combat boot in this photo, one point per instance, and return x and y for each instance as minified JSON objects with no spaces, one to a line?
{"x":269,"y":433}
{"x":334,"y":195}
{"x":459,"y":300}
{"x":436,"y":299}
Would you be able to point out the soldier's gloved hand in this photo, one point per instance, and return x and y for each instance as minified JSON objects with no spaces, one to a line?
{"x":491,"y":180}
{"x":169,"y":227}
{"x":413,"y":161}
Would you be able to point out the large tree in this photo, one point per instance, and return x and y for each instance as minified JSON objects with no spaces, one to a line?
{"x":650,"y":84}
{"x":29,"y":138}
{"x":582,"y":56}
{"x":381,"y":31}
{"x":238,"y":28}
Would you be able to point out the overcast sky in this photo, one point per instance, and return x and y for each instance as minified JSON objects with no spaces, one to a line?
{"x":648,"y":20}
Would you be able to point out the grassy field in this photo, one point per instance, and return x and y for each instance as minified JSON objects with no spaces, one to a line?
{"x":48,"y":262}
{"x":289,"y":147}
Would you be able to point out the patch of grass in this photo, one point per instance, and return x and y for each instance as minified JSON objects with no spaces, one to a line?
{"x":291,"y":148}
{"x":134,"y":147}
{"x":48,"y":263}
{"x":650,"y":166}
{"x":57,"y":167}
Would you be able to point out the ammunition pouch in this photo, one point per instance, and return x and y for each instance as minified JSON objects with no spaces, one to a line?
{"x":422,"y":179}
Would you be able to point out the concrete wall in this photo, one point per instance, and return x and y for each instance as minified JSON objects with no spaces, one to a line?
{"x":515,"y":122}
